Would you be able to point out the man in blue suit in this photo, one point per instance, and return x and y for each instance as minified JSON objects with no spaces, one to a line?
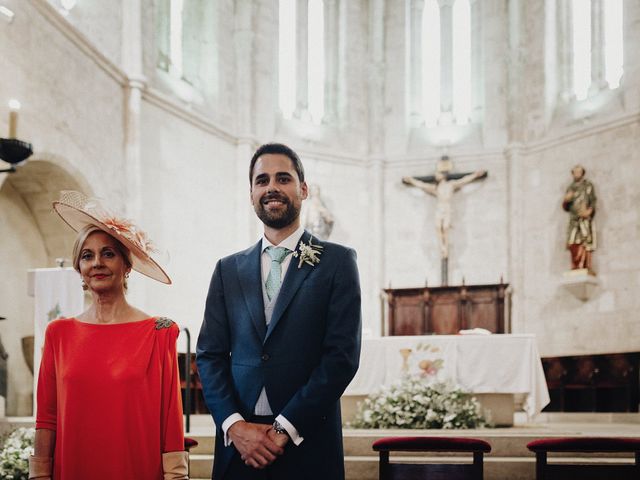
{"x":280,"y":340}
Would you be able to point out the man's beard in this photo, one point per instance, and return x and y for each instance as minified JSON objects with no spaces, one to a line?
{"x":277,"y":219}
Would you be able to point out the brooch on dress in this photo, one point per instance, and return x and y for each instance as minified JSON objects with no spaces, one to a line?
{"x":163,"y":322}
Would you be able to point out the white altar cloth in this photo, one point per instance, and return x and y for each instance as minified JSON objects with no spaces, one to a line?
{"x":498,"y":363}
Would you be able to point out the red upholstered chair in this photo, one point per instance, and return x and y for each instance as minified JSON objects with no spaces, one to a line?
{"x":189,"y":443}
{"x":450,"y":471}
{"x":564,"y":471}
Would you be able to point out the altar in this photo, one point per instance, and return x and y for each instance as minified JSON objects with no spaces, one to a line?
{"x":497,"y":364}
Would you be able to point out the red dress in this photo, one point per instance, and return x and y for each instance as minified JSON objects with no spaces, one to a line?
{"x":112,"y":394}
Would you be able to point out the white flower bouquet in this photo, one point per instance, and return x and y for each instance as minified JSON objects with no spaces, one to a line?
{"x":414,"y":402}
{"x":14,"y":456}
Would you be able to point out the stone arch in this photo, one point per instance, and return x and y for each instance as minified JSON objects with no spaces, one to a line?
{"x":33,"y":236}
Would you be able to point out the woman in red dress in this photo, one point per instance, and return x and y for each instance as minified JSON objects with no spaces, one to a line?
{"x":108,"y":401}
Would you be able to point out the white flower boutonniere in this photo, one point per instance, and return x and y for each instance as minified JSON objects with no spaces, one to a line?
{"x":308,"y":253}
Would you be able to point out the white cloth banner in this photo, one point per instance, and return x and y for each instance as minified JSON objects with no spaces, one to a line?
{"x":58,"y":293}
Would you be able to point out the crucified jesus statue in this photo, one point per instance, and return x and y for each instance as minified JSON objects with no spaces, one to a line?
{"x":442,"y":186}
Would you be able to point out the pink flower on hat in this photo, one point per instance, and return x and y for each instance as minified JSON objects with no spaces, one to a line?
{"x":127,"y":229}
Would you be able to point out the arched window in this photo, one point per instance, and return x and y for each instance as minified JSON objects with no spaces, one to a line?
{"x":185,"y":36}
{"x":316,"y":60}
{"x":445,"y":61}
{"x":304,"y":91}
{"x":431,"y":62}
{"x":287,"y":57}
{"x":613,"y":44}
{"x":461,"y":61}
{"x":596,"y":44}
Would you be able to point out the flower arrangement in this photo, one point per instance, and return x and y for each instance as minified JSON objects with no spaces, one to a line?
{"x":14,"y":457}
{"x":309,"y":253}
{"x":417,"y":403}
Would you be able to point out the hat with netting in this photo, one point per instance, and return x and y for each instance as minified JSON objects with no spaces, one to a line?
{"x":78,"y":211}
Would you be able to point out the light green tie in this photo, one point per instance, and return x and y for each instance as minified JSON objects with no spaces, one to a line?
{"x":272,"y":285}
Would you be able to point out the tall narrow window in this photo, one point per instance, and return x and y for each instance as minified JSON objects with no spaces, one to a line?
{"x":431,"y":62}
{"x":581,"y":47}
{"x":287,"y":57}
{"x":597,"y":45}
{"x":175,"y":43}
{"x":316,"y":57}
{"x":613,"y":30}
{"x":461,"y":61}
{"x":302,"y":57}
{"x":446,"y":62}
{"x":163,"y":33}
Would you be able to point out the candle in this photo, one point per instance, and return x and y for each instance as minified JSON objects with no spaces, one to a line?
{"x":14,"y":106}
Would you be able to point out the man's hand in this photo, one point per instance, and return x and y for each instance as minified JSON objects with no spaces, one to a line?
{"x":256,"y":448}
{"x":280,"y":439}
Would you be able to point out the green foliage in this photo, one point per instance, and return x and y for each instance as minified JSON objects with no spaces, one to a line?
{"x":14,"y":457}
{"x":419,"y":404}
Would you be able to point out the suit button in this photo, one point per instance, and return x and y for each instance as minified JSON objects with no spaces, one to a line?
{"x":265,"y":357}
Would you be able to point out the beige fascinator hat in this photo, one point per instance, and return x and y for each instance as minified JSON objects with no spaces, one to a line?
{"x":78,"y":211}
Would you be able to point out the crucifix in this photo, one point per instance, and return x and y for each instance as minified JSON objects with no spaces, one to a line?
{"x":443,"y":185}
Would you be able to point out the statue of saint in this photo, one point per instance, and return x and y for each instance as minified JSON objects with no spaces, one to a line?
{"x":316,"y":216}
{"x":442,"y":186}
{"x":580,"y":202}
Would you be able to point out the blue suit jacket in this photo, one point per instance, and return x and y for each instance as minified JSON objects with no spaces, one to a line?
{"x":305,"y":358}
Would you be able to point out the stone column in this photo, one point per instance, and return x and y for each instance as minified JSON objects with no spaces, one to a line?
{"x":515,"y":77}
{"x":376,"y":174}
{"x":598,"y":80}
{"x":132,"y":64}
{"x":376,"y":130}
{"x":564,"y":34}
{"x":477,"y":73}
{"x":244,"y":37}
{"x":136,"y":84}
{"x":331,"y":50}
{"x":446,"y":60}
{"x":415,"y":53}
{"x":302,"y":60}
{"x":515,"y":255}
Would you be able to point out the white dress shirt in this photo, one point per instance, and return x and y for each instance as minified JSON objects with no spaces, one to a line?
{"x":291,"y":242}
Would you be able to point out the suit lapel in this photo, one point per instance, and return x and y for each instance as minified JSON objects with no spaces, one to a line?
{"x":250,"y":279}
{"x":292,"y":281}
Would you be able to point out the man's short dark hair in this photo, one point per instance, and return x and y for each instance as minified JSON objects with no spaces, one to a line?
{"x":277,"y":148}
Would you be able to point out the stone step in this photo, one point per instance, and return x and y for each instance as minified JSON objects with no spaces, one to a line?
{"x":504,"y":442}
{"x":366,"y":467}
{"x":358,"y":443}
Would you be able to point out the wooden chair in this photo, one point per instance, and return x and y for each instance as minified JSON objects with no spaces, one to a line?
{"x":431,"y":471}
{"x":555,"y":374}
{"x":580,"y":384}
{"x":565,"y":471}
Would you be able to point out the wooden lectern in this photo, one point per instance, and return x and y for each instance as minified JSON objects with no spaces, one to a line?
{"x":447,"y":310}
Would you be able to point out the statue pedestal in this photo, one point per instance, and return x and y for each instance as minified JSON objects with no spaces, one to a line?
{"x":581,"y":283}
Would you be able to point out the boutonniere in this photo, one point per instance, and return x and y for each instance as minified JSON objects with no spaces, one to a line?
{"x":308,"y":253}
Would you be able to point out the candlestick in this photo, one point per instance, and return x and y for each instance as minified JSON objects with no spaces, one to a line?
{"x":14,"y":106}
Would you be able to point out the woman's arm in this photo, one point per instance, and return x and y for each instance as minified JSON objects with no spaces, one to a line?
{"x":41,"y":462}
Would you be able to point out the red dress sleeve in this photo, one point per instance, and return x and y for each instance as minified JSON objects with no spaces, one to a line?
{"x":171,"y":411}
{"x":47,"y":402}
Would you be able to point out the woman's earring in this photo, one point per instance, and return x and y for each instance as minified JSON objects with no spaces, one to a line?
{"x":85,"y":287}
{"x":126,"y":275}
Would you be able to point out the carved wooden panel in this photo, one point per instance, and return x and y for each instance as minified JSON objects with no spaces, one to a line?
{"x":447,"y":310}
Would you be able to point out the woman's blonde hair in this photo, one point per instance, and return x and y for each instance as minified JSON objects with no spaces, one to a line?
{"x":82,"y":236}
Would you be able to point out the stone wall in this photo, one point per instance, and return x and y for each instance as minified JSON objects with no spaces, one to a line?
{"x":103,"y":116}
